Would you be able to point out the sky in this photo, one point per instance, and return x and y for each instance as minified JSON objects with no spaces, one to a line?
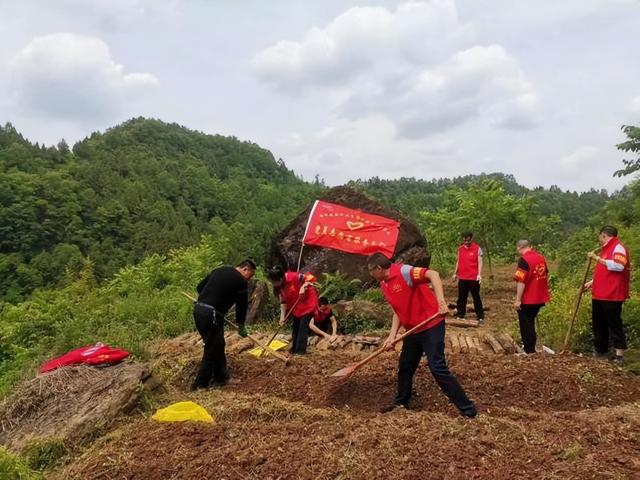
{"x":339,"y":88}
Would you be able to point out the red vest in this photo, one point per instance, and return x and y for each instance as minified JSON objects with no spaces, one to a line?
{"x":321,"y":317}
{"x":412,"y":303}
{"x":536,"y":279}
{"x":608,"y":285}
{"x":468,"y":261}
{"x":289,"y":293}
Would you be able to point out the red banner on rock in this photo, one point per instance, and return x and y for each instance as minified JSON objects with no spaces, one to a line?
{"x":352,"y":231}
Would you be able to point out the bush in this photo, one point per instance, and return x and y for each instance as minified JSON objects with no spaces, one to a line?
{"x":13,"y":467}
{"x":338,"y":287}
{"x":45,"y":453}
{"x":374,"y":295}
{"x":140,"y":303}
{"x":553,"y":320}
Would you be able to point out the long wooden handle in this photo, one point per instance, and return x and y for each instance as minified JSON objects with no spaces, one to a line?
{"x":577,"y":306}
{"x":405,"y":334}
{"x":280,"y":326}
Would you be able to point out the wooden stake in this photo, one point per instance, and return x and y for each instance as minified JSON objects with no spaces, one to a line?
{"x":577,"y":306}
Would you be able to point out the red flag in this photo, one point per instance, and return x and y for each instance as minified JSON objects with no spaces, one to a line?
{"x":334,"y":226}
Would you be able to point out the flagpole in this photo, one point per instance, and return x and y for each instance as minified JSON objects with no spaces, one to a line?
{"x":300,"y":257}
{"x":306,"y":229}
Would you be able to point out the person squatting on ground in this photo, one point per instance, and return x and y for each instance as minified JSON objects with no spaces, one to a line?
{"x":299,"y":299}
{"x":323,"y":318}
{"x":468,"y":272}
{"x":532,"y":291}
{"x":405,"y":288}
{"x":609,"y":289}
{"x":217,"y":293}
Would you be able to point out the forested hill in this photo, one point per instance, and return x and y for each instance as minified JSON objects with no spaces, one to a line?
{"x":146,"y":186}
{"x":411,"y":195}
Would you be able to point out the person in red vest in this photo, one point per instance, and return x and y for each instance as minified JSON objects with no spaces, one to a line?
{"x":532,"y":291}
{"x":406,"y":288}
{"x":609,"y":290}
{"x":468,"y":272}
{"x":298,"y":296}
{"x":323,"y":318}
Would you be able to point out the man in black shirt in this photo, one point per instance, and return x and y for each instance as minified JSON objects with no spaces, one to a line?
{"x":217,"y":293}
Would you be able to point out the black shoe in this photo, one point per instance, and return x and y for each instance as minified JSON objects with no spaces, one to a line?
{"x":481,"y":321}
{"x":391,"y":407}
{"x":618,"y":360}
{"x":470,"y":413}
{"x":219,"y":383}
{"x":601,"y":356}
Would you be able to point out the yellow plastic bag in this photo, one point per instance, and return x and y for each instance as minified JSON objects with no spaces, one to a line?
{"x":274,"y":345}
{"x":183,"y":412}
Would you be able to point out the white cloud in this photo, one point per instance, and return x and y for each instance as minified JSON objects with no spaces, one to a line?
{"x":479,"y":81}
{"x":365,"y":147}
{"x":74,"y":77}
{"x":363,"y":39}
{"x":417,"y":66}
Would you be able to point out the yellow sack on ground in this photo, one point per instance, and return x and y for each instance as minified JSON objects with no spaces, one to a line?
{"x":274,"y":345}
{"x":183,"y":412}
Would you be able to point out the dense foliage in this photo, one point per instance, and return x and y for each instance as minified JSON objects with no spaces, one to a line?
{"x":140,"y":188}
{"x":99,"y":241}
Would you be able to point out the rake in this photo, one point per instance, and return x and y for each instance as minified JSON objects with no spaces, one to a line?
{"x":351,"y":369}
{"x":276,"y":354}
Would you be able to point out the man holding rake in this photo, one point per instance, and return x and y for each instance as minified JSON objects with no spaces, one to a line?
{"x":407,"y":291}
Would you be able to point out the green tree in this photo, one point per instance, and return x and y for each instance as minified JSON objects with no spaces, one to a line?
{"x":632,"y":145}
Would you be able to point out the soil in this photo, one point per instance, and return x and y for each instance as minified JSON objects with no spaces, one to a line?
{"x":542,"y":416}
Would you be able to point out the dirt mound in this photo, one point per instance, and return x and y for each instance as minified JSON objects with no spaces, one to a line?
{"x":411,"y":246}
{"x":71,"y":402}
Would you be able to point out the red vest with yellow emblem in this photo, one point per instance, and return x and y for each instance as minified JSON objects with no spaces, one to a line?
{"x":536,"y":279}
{"x":611,"y":285}
{"x":406,"y":290}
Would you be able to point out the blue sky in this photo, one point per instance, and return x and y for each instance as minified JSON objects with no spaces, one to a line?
{"x":339,"y":88}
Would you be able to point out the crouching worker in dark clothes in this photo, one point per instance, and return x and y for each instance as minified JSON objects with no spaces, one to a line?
{"x":323,"y":319}
{"x":217,"y":293}
{"x":298,"y":300}
{"x":405,"y":288}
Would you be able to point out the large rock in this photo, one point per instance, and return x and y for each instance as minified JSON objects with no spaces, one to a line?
{"x":71,"y":403}
{"x":411,"y":246}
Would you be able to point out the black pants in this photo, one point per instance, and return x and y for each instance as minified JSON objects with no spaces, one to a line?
{"x":527,"y":318}
{"x":607,"y":322}
{"x":430,"y":342}
{"x":300,"y":334}
{"x":214,"y":362}
{"x":464,"y":287}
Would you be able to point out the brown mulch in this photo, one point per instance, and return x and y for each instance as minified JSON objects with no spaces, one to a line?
{"x":538,"y":383}
{"x":404,"y":445}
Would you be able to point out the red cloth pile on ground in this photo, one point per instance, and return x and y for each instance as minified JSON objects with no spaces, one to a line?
{"x":97,"y":355}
